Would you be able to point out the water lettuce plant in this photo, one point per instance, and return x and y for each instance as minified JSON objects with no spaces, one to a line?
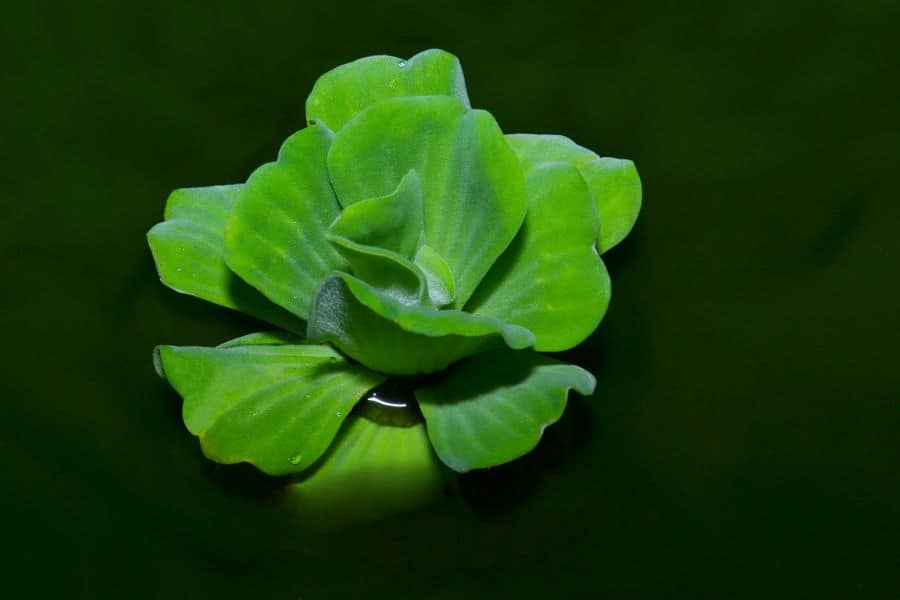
{"x":400,"y":239}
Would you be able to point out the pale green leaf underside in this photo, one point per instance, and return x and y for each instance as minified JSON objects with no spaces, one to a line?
{"x":370,"y":471}
{"x":341,"y":93}
{"x":275,"y":406}
{"x":550,"y":279}
{"x":614,"y":183}
{"x":473,"y":190}
{"x":494,"y":407}
{"x":388,"y":336}
{"x":275,"y":238}
{"x":188,"y":251}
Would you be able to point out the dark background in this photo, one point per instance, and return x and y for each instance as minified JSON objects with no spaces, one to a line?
{"x":743,"y":438}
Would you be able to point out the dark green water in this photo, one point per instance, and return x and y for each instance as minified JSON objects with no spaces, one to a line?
{"x":742,"y":439}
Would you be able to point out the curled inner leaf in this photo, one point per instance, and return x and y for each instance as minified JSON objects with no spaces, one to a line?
{"x":377,"y":237}
{"x":387,"y":271}
{"x":391,"y":337}
{"x":441,"y":288}
{"x":473,"y":190}
{"x":393,"y":222}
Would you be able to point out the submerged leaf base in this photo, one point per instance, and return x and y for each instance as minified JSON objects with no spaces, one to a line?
{"x":380,"y":465}
{"x":372,"y":471}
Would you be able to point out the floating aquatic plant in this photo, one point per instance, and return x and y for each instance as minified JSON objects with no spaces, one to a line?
{"x":399,"y":239}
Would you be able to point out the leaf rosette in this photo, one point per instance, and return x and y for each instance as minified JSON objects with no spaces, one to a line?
{"x":400,"y":236}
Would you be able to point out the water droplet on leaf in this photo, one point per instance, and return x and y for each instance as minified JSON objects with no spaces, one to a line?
{"x":401,"y":64}
{"x":296,"y":459}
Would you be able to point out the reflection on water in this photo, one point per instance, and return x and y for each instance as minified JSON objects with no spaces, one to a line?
{"x":392,"y":403}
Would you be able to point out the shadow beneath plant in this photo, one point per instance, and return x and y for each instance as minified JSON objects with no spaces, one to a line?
{"x":242,"y":479}
{"x":204,"y":322}
{"x":251,"y":302}
{"x":622,"y":254}
{"x":173,"y":403}
{"x":245,"y":481}
{"x":488,"y":492}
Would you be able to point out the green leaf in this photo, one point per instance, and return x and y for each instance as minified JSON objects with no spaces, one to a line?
{"x":341,"y":93}
{"x":613,"y":182}
{"x":370,"y":471}
{"x":378,"y":236}
{"x":275,"y":406}
{"x":550,"y":279}
{"x":393,"y":222}
{"x":275,"y":238}
{"x":494,"y":407}
{"x":439,"y":279}
{"x":387,"y":271}
{"x":263,"y":338}
{"x":473,"y":190}
{"x":188,"y":250}
{"x":388,"y":336}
